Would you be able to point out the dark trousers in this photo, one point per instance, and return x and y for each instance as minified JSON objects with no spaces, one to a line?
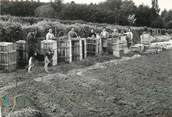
{"x":128,"y":44}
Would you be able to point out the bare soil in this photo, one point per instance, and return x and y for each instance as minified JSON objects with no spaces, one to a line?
{"x":129,"y":87}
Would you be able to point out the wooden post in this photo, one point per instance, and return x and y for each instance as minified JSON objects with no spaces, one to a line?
{"x":70,"y":51}
{"x":85,"y":48}
{"x":81,"y":50}
{"x":100,"y":45}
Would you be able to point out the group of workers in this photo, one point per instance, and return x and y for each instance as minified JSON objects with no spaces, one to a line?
{"x":33,"y":50}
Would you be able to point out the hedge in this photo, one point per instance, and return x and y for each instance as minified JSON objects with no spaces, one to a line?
{"x":11,"y":31}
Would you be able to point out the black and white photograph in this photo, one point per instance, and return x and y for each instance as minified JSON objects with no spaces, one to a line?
{"x":85,"y":58}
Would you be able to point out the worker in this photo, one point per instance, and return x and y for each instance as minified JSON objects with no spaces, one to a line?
{"x":50,"y":35}
{"x":129,"y":38}
{"x":31,"y":47}
{"x":72,"y":34}
{"x":115,"y":33}
{"x":92,"y":34}
{"x":104,"y":36}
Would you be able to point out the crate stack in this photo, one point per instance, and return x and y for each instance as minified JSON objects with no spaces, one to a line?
{"x":7,"y":56}
{"x":113,"y":46}
{"x":64,"y":51}
{"x":22,"y":56}
{"x":146,"y":39}
{"x":47,"y":45}
{"x":94,"y":46}
{"x":69,"y":50}
{"x":123,"y":45}
{"x":78,"y":49}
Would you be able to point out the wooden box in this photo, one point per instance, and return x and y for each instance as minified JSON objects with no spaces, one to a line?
{"x":7,"y":56}
{"x":78,"y":48}
{"x":94,"y":46}
{"x":123,"y":44}
{"x":22,"y":56}
{"x":64,"y":51}
{"x":113,"y":46}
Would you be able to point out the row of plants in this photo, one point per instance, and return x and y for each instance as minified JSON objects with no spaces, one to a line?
{"x":12,"y":31}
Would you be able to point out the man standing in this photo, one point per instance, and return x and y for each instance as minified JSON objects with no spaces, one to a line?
{"x":72,"y":34}
{"x":104,"y":35}
{"x":129,"y":38}
{"x":92,"y":34}
{"x":50,"y":35}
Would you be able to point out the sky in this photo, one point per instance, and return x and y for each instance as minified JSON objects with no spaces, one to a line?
{"x":164,"y":4}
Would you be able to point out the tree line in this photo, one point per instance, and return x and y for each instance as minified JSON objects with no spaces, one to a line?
{"x":110,"y":11}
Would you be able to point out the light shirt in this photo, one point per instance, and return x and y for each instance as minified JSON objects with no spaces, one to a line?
{"x":50,"y":36}
{"x":129,"y":35}
{"x":104,"y":34}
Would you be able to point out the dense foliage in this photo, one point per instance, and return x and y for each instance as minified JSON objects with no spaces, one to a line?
{"x":110,"y":11}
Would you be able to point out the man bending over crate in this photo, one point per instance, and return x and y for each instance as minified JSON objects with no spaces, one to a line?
{"x":32,"y":45}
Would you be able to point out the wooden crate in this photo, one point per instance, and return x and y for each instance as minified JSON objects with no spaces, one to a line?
{"x":7,"y":56}
{"x":22,"y":56}
{"x":64,"y":51}
{"x":50,"y":44}
{"x":123,"y":44}
{"x":113,"y":46}
{"x":93,"y":46}
{"x":8,"y":67}
{"x":78,"y":48}
{"x":73,"y":49}
{"x":146,"y":39}
{"x":7,"y":47}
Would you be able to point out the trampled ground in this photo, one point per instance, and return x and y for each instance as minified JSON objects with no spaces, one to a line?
{"x":139,"y":87}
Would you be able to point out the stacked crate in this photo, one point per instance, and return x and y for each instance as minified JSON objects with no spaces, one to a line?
{"x":21,"y":53}
{"x":73,"y":49}
{"x":47,"y":45}
{"x":146,"y":39}
{"x":113,"y":46}
{"x":78,"y":48}
{"x":64,"y":51}
{"x":94,"y":46}
{"x":7,"y":57}
{"x":123,"y":45}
